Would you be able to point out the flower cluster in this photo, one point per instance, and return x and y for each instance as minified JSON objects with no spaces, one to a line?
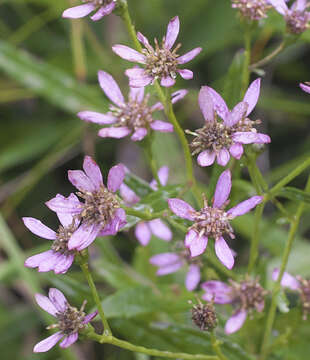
{"x":252,"y":9}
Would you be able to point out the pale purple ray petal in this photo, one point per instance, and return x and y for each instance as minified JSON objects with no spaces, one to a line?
{"x":287,"y":280}
{"x":250,"y":138}
{"x":189,"y":56}
{"x":237,"y":114}
{"x":139,"y":134}
{"x":219,"y":104}
{"x":167,"y":81}
{"x":80,"y":11}
{"x":129,"y":54}
{"x":235,"y":322}
{"x":58,"y":299}
{"x":93,"y":171}
{"x":305,"y":88}
{"x":206,"y":158}
{"x":45,"y":303}
{"x":110,"y":88}
{"x":64,"y":264}
{"x":217,"y":291}
{"x":161,"y":126}
{"x":299,"y":5}
{"x":178,"y":95}
{"x":66,"y":219}
{"x":173,"y":29}
{"x":116,"y":177}
{"x":192,"y":277}
{"x":157,"y":106}
{"x":206,"y":104}
{"x":103,"y":11}
{"x":97,"y":118}
{"x":116,"y":224}
{"x":61,"y":204}
{"x":143,"y":40}
{"x":136,"y":94}
{"x":160,"y":229}
{"x":168,"y":269}
{"x":245,"y":206}
{"x":186,"y":74}
{"x":81,"y":181}
{"x":279,"y":5}
{"x":138,"y":77}
{"x":224,"y":253}
{"x":223,"y":157}
{"x":38,"y":228}
{"x":50,"y":263}
{"x":189,"y":237}
{"x":236,"y":150}
{"x":85,"y":234}
{"x":88,"y":318}
{"x":35,"y":260}
{"x":128,"y":195}
{"x":164,"y":259}
{"x":114,"y":132}
{"x":181,"y":208}
{"x":48,"y":343}
{"x":196,"y":244}
{"x":69,"y":340}
{"x":163,"y":175}
{"x":252,"y":95}
{"x":223,"y":188}
{"x":143,"y":233}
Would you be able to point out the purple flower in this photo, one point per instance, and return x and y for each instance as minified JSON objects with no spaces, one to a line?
{"x":170,"y":262}
{"x":160,"y":62}
{"x":246,"y":296}
{"x":252,"y":9}
{"x":297,"y":17}
{"x":220,"y":139}
{"x":132,"y":117}
{"x":102,"y":8}
{"x":213,"y":221}
{"x":70,"y":320}
{"x":305,"y":87}
{"x":100,"y":213}
{"x":59,"y":258}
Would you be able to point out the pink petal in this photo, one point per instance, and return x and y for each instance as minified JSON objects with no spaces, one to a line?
{"x":35,"y":260}
{"x":177,"y":96}
{"x":236,"y":150}
{"x":48,"y":343}
{"x":90,"y":317}
{"x":118,"y":221}
{"x":168,"y":269}
{"x":64,"y":264}
{"x":163,"y":175}
{"x":279,"y":5}
{"x":129,"y":54}
{"x":138,"y":77}
{"x":136,"y":94}
{"x":103,"y":11}
{"x":206,"y":104}
{"x":237,"y":114}
{"x":164,"y":259}
{"x":83,"y":236}
{"x":186,"y":74}
{"x":299,"y":5}
{"x":222,"y":190}
{"x":235,"y":322}
{"x":67,"y":219}
{"x":245,"y":206}
{"x":158,"y":106}
{"x":219,"y":104}
{"x":50,"y":263}
{"x":181,"y":208}
{"x":69,"y":340}
{"x":139,"y":134}
{"x":161,"y":126}
{"x":58,"y":299}
{"x":252,"y":95}
{"x":160,"y":229}
{"x":61,"y":204}
{"x":38,"y":228}
{"x":196,"y":244}
{"x":189,"y":56}
{"x":224,"y":253}
{"x":167,"y":81}
{"x":217,"y":291}
{"x":80,"y":11}
{"x":143,"y":233}
{"x":128,"y":195}
{"x":45,"y":303}
{"x":206,"y":158}
{"x":97,"y":118}
{"x":114,"y":132}
{"x":143,"y":40}
{"x":93,"y":171}
{"x":287,"y":280}
{"x":223,"y":157}
{"x":81,"y":181}
{"x":110,"y":88}
{"x":192,"y":277}
{"x":116,"y":177}
{"x":305,"y":88}
{"x":173,"y":29}
{"x":250,"y":138}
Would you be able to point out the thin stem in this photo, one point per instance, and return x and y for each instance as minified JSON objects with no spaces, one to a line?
{"x":143,"y":215}
{"x":256,"y":175}
{"x":269,"y":57}
{"x":216,"y":345}
{"x":277,"y":286}
{"x":82,"y":259}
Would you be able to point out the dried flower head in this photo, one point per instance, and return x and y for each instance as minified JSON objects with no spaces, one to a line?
{"x":204,"y":316}
{"x":70,"y":320}
{"x":101,"y":8}
{"x":252,"y":9}
{"x":160,"y":62}
{"x":213,"y":221}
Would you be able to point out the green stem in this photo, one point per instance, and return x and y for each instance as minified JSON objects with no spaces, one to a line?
{"x":277,"y":286}
{"x":216,"y":345}
{"x":256,"y":175}
{"x":147,"y":146}
{"x":269,"y":57}
{"x":82,"y":259}
{"x":143,"y":215}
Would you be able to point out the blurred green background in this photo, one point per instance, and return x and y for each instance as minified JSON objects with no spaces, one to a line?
{"x":48,"y":72}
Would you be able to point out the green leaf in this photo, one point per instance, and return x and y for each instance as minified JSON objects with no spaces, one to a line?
{"x":294,"y":194}
{"x":138,"y":185}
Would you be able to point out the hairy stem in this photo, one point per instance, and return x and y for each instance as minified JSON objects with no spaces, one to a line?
{"x":216,"y":345}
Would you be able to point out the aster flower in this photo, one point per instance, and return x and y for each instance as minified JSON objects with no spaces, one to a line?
{"x":70,"y":320}
{"x":171,"y":262}
{"x":246,"y":296}
{"x":100,"y":213}
{"x":132,"y":117}
{"x":305,"y":87}
{"x":218,"y":139}
{"x":213,"y":221}
{"x":101,"y":8}
{"x":252,"y":9}
{"x":59,"y":258}
{"x":299,"y":284}
{"x":297,"y":17}
{"x":160,"y":62}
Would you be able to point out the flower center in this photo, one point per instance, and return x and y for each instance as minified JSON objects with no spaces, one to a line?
{"x":71,"y":320}
{"x":99,"y":206}
{"x":134,"y":115}
{"x":161,"y":62}
{"x":297,"y":21}
{"x":60,"y":244}
{"x":252,"y":9}
{"x":204,"y":316}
